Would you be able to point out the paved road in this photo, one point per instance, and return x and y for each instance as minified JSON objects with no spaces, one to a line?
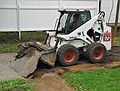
{"x":6,"y":58}
{"x":6,"y":73}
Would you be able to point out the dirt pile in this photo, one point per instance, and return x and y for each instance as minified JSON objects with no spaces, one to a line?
{"x":50,"y":82}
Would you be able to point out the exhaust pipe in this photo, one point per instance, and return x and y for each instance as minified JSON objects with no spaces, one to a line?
{"x":100,"y":1}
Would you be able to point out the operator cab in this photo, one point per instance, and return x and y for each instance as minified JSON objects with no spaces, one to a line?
{"x":71,"y":20}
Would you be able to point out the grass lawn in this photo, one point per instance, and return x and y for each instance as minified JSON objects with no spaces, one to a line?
{"x":107,"y":79}
{"x":9,"y":41}
{"x":8,"y":47}
{"x":117,"y":39}
{"x":16,"y":83}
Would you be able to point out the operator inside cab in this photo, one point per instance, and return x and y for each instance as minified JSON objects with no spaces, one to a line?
{"x":74,"y":24}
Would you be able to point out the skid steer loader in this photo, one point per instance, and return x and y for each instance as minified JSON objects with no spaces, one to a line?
{"x":79,"y":34}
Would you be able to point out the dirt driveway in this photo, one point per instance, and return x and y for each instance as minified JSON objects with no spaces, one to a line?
{"x":50,"y":82}
{"x":7,"y":73}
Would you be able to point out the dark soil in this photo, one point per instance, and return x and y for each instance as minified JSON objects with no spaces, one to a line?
{"x":15,"y":89}
{"x":55,"y":83}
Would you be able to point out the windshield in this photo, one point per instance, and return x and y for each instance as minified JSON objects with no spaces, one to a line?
{"x":63,"y":21}
{"x":72,"y":20}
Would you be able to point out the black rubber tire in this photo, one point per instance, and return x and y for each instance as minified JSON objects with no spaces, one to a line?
{"x":62,"y":53}
{"x":96,"y":53}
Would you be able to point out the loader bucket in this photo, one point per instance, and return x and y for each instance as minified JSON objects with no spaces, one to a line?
{"x":28,"y":57}
{"x":26,"y":65}
{"x":49,"y":57}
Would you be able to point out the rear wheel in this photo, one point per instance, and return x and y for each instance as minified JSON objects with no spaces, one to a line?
{"x":67,"y":55}
{"x":96,"y":53}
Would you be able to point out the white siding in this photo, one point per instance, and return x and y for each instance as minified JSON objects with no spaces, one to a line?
{"x":8,"y":15}
{"x":8,"y":3}
{"x":8,"y":20}
{"x":35,"y":15}
{"x":37,"y":19}
{"x":38,"y":14}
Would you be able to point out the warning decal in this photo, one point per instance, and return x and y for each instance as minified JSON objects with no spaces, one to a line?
{"x":106,"y":37}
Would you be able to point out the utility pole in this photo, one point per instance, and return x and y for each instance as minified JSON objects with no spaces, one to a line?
{"x":117,"y":16}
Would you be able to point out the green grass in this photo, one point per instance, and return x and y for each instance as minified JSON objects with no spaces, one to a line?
{"x":99,"y":80}
{"x":8,"y":47}
{"x":117,"y":39}
{"x":9,"y":41}
{"x":12,"y":37}
{"x":16,"y":83}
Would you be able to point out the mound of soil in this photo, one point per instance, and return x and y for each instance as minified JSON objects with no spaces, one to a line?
{"x":50,"y":82}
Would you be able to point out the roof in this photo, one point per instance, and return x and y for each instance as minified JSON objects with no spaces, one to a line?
{"x":70,"y":11}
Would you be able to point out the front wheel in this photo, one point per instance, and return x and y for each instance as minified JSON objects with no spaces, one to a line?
{"x":67,"y":55}
{"x":96,"y":53}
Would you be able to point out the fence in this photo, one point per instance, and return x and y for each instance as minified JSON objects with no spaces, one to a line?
{"x":38,"y":15}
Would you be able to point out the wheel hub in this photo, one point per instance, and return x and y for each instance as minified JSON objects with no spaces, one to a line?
{"x":98,"y":53}
{"x":69,"y":56}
